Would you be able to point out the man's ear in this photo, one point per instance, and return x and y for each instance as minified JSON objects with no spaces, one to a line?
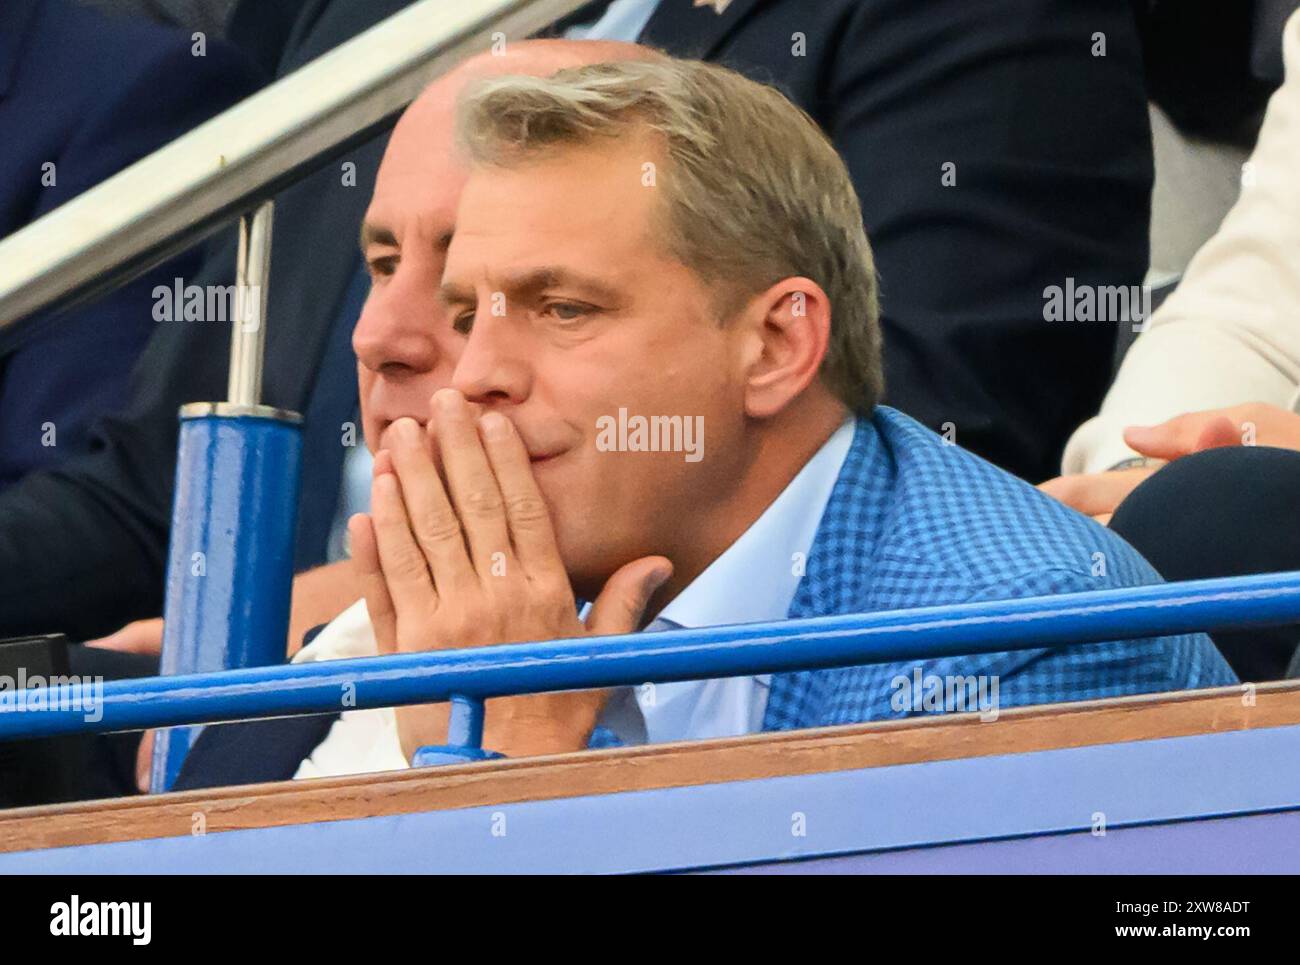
{"x":788,"y":331}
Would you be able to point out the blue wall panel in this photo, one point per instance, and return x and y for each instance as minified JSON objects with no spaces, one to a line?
{"x":903,"y":806}
{"x":1254,"y":844}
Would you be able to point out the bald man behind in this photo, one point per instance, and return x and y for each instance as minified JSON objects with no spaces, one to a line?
{"x":419,"y":172}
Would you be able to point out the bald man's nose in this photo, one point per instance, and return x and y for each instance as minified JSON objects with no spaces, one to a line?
{"x":396,"y":330}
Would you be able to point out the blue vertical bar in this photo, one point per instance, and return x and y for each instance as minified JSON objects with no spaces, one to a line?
{"x":465,"y":724}
{"x":230,"y":562}
{"x":464,"y":736}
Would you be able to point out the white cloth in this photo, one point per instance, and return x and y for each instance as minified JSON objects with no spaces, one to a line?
{"x":1230,"y":332}
{"x":754,"y":580}
{"x":361,"y":741}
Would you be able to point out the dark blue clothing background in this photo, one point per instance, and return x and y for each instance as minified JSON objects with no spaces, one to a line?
{"x":90,"y":94}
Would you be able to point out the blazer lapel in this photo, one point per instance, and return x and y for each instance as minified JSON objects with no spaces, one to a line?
{"x":685,"y":30}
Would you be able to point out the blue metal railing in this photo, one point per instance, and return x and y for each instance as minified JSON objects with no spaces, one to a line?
{"x":630,"y":659}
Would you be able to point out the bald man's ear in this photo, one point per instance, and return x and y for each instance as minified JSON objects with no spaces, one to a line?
{"x":788,"y":329}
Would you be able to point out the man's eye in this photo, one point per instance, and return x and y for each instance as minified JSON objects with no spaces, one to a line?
{"x":382,"y":267}
{"x":463,"y":322}
{"x":568,"y":311}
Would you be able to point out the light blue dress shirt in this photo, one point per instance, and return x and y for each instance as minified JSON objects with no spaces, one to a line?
{"x":354,"y":497}
{"x":754,"y":580}
{"x":622,"y":20}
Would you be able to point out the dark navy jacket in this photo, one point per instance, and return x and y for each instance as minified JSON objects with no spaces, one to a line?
{"x":83,"y":95}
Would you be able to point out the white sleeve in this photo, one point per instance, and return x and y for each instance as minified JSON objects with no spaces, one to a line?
{"x":360,"y":742}
{"x":1230,"y":333}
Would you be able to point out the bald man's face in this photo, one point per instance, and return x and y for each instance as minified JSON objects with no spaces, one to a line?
{"x":406,"y":348}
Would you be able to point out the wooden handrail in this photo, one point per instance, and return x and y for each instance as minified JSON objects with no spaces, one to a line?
{"x":881,"y":744}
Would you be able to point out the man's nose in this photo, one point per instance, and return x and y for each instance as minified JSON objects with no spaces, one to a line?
{"x":396,"y":331}
{"x":495,"y":364}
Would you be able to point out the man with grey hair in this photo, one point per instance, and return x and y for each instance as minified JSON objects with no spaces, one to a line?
{"x":665,"y":238}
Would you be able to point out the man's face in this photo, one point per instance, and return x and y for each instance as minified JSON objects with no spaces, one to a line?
{"x":405,"y":346}
{"x":559,"y":307}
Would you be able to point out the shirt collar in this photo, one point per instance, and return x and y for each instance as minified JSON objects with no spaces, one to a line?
{"x":756,"y":577}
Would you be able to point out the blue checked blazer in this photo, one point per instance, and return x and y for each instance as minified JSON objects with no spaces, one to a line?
{"x":914,"y":521}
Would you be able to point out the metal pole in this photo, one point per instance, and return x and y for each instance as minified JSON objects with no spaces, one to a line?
{"x":252,"y":281}
{"x":235,"y":510}
{"x":584,"y":663}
